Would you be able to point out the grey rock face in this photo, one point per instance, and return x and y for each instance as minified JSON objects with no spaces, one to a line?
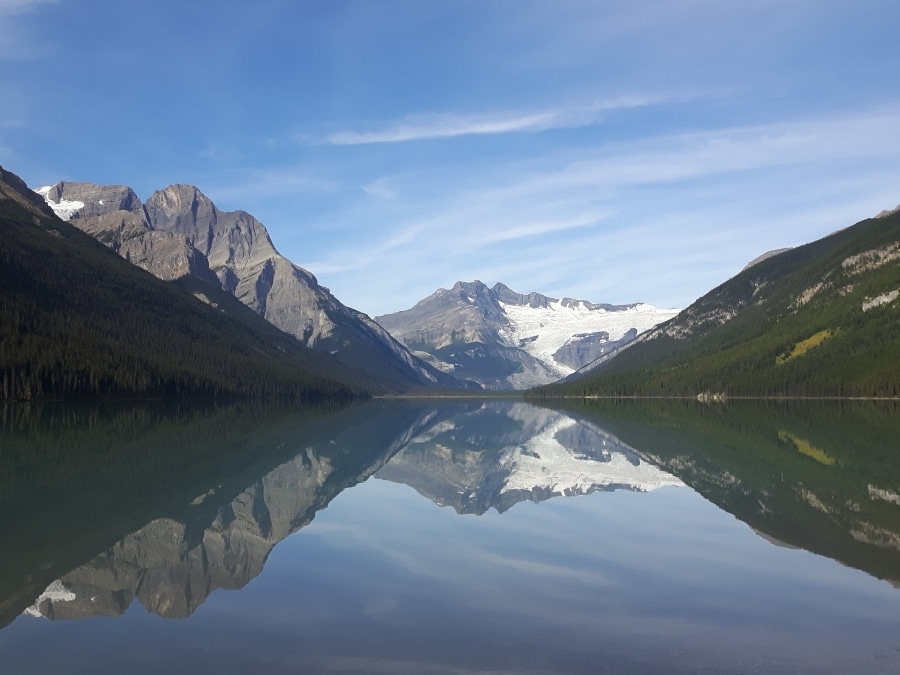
{"x":468,"y":312}
{"x":114,"y":215}
{"x":179,"y":231}
{"x":462,"y":330}
{"x":510,"y":297}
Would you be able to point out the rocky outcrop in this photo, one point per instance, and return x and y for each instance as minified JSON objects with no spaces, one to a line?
{"x":87,"y":200}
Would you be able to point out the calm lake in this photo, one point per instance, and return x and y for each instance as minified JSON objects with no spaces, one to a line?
{"x":450,"y":537}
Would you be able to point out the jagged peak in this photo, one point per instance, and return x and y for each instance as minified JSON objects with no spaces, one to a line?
{"x":470,"y":286}
{"x":173,"y":198}
{"x":510,"y":297}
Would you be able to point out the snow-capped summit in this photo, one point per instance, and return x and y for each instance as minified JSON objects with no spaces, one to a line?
{"x":507,"y":340}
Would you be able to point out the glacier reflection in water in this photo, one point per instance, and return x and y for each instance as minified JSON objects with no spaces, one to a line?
{"x":636,"y":578}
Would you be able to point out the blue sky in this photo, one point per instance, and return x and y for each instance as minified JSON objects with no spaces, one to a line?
{"x":611,"y":151}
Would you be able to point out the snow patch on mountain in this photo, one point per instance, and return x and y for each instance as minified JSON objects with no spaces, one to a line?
{"x":64,"y":209}
{"x":542,"y":331}
{"x":55,"y":592}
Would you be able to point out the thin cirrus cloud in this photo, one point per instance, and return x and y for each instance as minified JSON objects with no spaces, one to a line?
{"x":444,"y":125}
{"x":609,"y":221}
{"x":538,"y":228}
{"x":361,"y":257}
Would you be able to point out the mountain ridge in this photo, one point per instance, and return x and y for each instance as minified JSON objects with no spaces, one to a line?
{"x":179,"y":231}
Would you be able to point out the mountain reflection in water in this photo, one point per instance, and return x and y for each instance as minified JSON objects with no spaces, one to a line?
{"x":472,"y":456}
{"x":167,"y":503}
{"x":499,"y":454}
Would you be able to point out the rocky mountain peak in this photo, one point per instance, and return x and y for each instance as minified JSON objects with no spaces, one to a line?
{"x":181,"y":208}
{"x":226,"y":238}
{"x":483,"y":300}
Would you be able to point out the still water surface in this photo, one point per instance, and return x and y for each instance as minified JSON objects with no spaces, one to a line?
{"x":474,"y":537}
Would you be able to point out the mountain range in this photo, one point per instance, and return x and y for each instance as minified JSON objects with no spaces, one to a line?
{"x":821,"y":319}
{"x":507,"y":340}
{"x":179,"y":234}
{"x":227,"y":314}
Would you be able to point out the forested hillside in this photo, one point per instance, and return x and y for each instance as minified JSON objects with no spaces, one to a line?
{"x":819,"y":320}
{"x":78,"y":321}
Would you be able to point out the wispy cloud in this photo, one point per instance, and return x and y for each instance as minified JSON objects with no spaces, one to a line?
{"x":534,"y":229}
{"x":271,"y":182}
{"x":446,"y":125}
{"x":607,"y":222}
{"x":379,"y":188}
{"x":361,"y":257}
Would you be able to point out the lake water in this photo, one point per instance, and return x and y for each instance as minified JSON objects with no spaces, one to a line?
{"x":450,"y":537}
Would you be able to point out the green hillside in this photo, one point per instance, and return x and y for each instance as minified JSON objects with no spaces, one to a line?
{"x":77,"y":321}
{"x":819,"y":320}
